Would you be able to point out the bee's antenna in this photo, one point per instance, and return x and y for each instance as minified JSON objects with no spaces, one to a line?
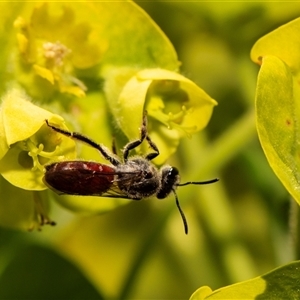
{"x":199,"y":182}
{"x":185,"y":224}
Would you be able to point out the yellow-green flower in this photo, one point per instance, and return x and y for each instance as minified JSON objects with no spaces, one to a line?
{"x":53,"y":47}
{"x":176,"y":107}
{"x":26,"y":145}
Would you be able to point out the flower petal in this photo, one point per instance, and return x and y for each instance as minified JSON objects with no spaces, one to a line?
{"x":171,"y":100}
{"x":19,"y":113}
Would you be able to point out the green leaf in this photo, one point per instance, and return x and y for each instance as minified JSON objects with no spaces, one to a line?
{"x":278,"y":102}
{"x":283,"y":42}
{"x":134,"y":38}
{"x":276,"y":115}
{"x":41,"y":273}
{"x":281,"y":283}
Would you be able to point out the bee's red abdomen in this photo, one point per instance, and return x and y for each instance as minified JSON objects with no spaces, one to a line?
{"x":79,"y":177}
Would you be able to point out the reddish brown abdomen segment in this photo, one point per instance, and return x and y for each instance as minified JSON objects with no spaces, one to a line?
{"x":79,"y":178}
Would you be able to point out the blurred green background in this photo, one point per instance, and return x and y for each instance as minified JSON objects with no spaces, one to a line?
{"x":239,"y":227}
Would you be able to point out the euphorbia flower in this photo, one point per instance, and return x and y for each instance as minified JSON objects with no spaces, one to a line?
{"x":54,"y":48}
{"x":27,"y":144}
{"x":176,"y":107}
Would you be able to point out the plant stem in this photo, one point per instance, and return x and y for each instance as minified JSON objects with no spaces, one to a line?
{"x":227,"y":146}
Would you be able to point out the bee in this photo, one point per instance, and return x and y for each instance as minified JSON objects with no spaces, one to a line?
{"x":133,"y":178}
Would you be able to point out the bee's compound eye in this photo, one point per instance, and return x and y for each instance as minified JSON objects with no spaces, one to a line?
{"x":169,"y":181}
{"x":173,"y":172}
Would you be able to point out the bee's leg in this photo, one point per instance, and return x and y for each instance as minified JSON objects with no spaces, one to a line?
{"x":136,"y":143}
{"x":80,"y":137}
